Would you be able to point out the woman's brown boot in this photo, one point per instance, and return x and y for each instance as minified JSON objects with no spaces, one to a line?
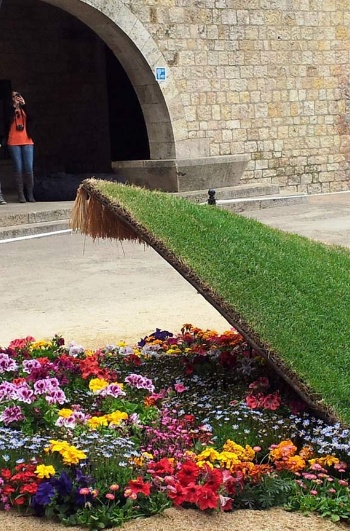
{"x":19,"y":187}
{"x":29,"y":186}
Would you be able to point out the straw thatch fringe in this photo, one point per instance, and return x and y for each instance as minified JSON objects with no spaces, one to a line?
{"x":92,"y":217}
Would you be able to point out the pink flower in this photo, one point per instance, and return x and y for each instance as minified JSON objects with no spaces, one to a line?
{"x":180,"y":388}
{"x":272,"y":401}
{"x":313,"y":492}
{"x":307,"y":475}
{"x":110,"y":496}
{"x":252,"y":401}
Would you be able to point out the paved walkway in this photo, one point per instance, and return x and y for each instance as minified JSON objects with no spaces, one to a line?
{"x":325,"y":218}
{"x":13,"y":207}
{"x":98,"y":293}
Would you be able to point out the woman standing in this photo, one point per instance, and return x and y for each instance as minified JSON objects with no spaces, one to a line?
{"x":21,"y":147}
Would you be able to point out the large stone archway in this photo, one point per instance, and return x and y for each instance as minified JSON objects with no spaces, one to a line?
{"x":139,"y":55}
{"x":178,"y":157}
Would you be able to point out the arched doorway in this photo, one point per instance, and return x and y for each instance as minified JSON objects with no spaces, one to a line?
{"x":95,"y":96}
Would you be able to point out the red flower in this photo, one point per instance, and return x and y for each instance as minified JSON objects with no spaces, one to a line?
{"x":188,"y":472}
{"x":18,"y":344}
{"x":18,"y":381}
{"x":29,"y":488}
{"x":6,"y":473}
{"x":7,"y":490}
{"x":20,"y":500}
{"x":176,"y":493}
{"x":139,"y":486}
{"x":191,"y":492}
{"x":23,"y":477}
{"x":133,"y":360}
{"x":189,"y":418}
{"x":272,"y":401}
{"x":252,"y":401}
{"x":214,"y":480}
{"x":163,"y":466}
{"x":207,"y":499}
{"x":43,"y":361}
{"x":233,"y":483}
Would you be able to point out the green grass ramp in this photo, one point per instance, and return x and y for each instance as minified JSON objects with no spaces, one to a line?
{"x":288,"y":295}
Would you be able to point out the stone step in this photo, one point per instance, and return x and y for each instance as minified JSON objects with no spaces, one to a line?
{"x":231,"y":192}
{"x":16,"y":216}
{"x":257,"y":203}
{"x":30,"y":229}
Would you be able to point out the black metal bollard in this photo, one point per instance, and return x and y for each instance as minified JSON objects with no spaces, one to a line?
{"x":212,"y":199}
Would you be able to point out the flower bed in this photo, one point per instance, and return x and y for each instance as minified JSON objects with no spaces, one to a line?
{"x":195,"y":419}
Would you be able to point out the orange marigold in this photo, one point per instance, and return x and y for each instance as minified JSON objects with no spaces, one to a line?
{"x":306,"y":452}
{"x":258,"y":471}
{"x":283,"y":450}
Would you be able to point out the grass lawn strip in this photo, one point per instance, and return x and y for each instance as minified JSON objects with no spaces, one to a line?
{"x":288,"y":294}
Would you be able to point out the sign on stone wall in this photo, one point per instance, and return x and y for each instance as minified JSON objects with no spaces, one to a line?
{"x":160,"y":73}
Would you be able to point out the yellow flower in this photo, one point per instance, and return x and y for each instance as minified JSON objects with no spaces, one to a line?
{"x":44,"y":471}
{"x":140,"y":461}
{"x":328,"y":460}
{"x":228,"y":459}
{"x":65,"y":412}
{"x":121,"y":344}
{"x":173,"y":350}
{"x":209,"y":454}
{"x":116,"y":417}
{"x":71,"y":455}
{"x":244,"y":454}
{"x":97,"y":422}
{"x":56,"y":446}
{"x":204,"y":463}
{"x":97,"y":384}
{"x":41,"y":344}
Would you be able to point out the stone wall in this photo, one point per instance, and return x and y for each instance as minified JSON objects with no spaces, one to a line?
{"x":268,"y":78}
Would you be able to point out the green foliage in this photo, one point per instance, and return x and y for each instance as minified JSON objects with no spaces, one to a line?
{"x":272,"y":491}
{"x":328,"y":497}
{"x":336,"y":508}
{"x":293,"y":293}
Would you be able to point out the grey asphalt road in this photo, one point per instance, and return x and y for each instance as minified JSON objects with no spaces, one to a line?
{"x":95,"y":293}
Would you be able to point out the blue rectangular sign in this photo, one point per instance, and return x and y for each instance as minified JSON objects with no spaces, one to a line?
{"x":160,"y":73}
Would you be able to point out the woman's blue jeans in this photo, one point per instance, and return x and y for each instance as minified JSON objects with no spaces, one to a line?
{"x":22,"y":158}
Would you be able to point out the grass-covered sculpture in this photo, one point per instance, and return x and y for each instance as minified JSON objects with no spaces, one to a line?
{"x":288,"y":295}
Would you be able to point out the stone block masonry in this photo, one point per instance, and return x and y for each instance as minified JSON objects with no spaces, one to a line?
{"x":265,"y":78}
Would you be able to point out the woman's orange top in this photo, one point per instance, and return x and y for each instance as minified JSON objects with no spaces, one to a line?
{"x":19,"y":138}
